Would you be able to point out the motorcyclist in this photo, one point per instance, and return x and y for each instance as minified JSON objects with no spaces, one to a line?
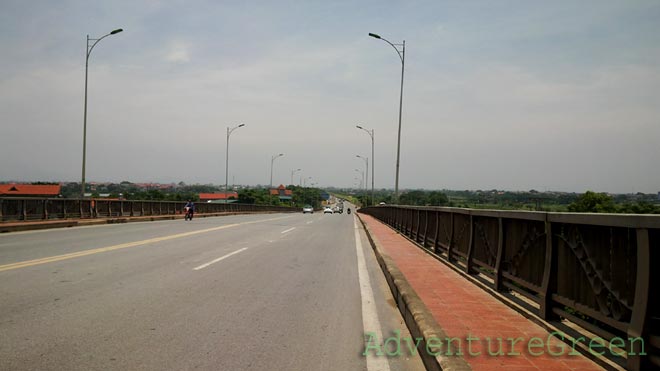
{"x":189,"y":209}
{"x":348,"y":211}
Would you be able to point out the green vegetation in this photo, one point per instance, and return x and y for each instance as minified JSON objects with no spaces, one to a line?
{"x":532,"y":200}
{"x":592,"y":202}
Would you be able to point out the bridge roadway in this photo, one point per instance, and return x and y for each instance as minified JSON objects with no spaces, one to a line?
{"x":242,"y":292}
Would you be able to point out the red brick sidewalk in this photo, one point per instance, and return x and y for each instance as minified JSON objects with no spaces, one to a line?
{"x":464,"y":310}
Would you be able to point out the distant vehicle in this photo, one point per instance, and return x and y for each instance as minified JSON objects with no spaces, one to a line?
{"x":327,"y":210}
{"x":338,"y":210}
{"x":308,"y":209}
{"x":382,"y":203}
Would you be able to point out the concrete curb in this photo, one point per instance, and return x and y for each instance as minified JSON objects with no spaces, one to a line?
{"x":67,"y":223}
{"x":418,"y":318}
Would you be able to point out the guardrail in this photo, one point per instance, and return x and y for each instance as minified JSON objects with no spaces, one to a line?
{"x":600,"y":271}
{"x":26,"y":209}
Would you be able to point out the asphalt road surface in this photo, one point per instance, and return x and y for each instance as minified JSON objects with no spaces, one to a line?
{"x":244,"y":292}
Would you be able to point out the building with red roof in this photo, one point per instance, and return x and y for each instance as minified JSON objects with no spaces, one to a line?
{"x":219,"y":197}
{"x":30,"y":190}
{"x":282,"y":192}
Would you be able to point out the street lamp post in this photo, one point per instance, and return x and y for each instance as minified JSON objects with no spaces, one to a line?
{"x":361,"y":178}
{"x":366,"y":176}
{"x":87,"y":54}
{"x":402,"y":56}
{"x":229,"y":131}
{"x":272,"y":160}
{"x":292,"y":173}
{"x":373,"y":159}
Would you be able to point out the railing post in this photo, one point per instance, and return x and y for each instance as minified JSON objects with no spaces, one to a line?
{"x":468,"y":264}
{"x":451,"y":237}
{"x":160,"y":207}
{"x":399,"y":218}
{"x":437,"y":231}
{"x":500,"y":255}
{"x":419,"y":224}
{"x":63,"y":209}
{"x":426,"y":225}
{"x":547,"y":286}
{"x":1,"y":206}
{"x":142,"y":208}
{"x":24,"y":210}
{"x":637,"y":327}
{"x":45,"y":206}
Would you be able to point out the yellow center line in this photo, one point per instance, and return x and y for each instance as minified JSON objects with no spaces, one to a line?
{"x":29,"y":263}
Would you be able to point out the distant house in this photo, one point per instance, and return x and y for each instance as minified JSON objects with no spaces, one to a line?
{"x":219,"y":197}
{"x":29,"y":190}
{"x":282,"y":192}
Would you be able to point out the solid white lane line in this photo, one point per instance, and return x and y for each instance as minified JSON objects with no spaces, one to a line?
{"x":370,"y":321}
{"x":288,"y":230}
{"x":219,"y":259}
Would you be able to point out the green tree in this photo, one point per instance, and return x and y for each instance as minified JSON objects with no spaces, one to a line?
{"x":592,"y":202}
{"x":437,"y":198}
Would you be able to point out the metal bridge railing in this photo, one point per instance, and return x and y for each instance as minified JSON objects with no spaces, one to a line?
{"x":600,"y":271}
{"x":26,"y":209}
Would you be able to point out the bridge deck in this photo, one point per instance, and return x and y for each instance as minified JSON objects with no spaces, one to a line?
{"x":464,"y":311}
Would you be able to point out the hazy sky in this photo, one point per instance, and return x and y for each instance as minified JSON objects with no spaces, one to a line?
{"x":556,"y":95}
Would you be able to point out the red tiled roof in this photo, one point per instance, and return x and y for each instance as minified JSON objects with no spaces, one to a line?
{"x":217,"y":196}
{"x":274,"y":192}
{"x":288,"y":192}
{"x":29,"y":190}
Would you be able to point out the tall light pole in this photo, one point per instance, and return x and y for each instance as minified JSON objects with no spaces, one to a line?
{"x":373,"y":160}
{"x":293,"y":172}
{"x":361,"y":178}
{"x":402,"y":56}
{"x":229,"y":131}
{"x":366,"y":176}
{"x":87,"y":54}
{"x":272,"y":160}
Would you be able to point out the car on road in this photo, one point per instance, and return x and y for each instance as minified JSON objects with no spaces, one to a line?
{"x":327,"y":210}
{"x":308,"y":209}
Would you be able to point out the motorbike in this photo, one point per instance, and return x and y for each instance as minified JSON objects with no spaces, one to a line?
{"x":348,"y":211}
{"x":188,"y":212}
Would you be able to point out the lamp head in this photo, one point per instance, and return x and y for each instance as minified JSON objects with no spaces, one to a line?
{"x":359,"y":127}
{"x":116,"y":31}
{"x":374,"y":35}
{"x":241,"y":125}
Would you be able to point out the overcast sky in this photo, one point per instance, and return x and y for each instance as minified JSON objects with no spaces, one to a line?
{"x":517,"y":95}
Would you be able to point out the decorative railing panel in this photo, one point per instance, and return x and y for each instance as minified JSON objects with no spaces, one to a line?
{"x":524,"y":251}
{"x":484,"y":241}
{"x":460,"y":243}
